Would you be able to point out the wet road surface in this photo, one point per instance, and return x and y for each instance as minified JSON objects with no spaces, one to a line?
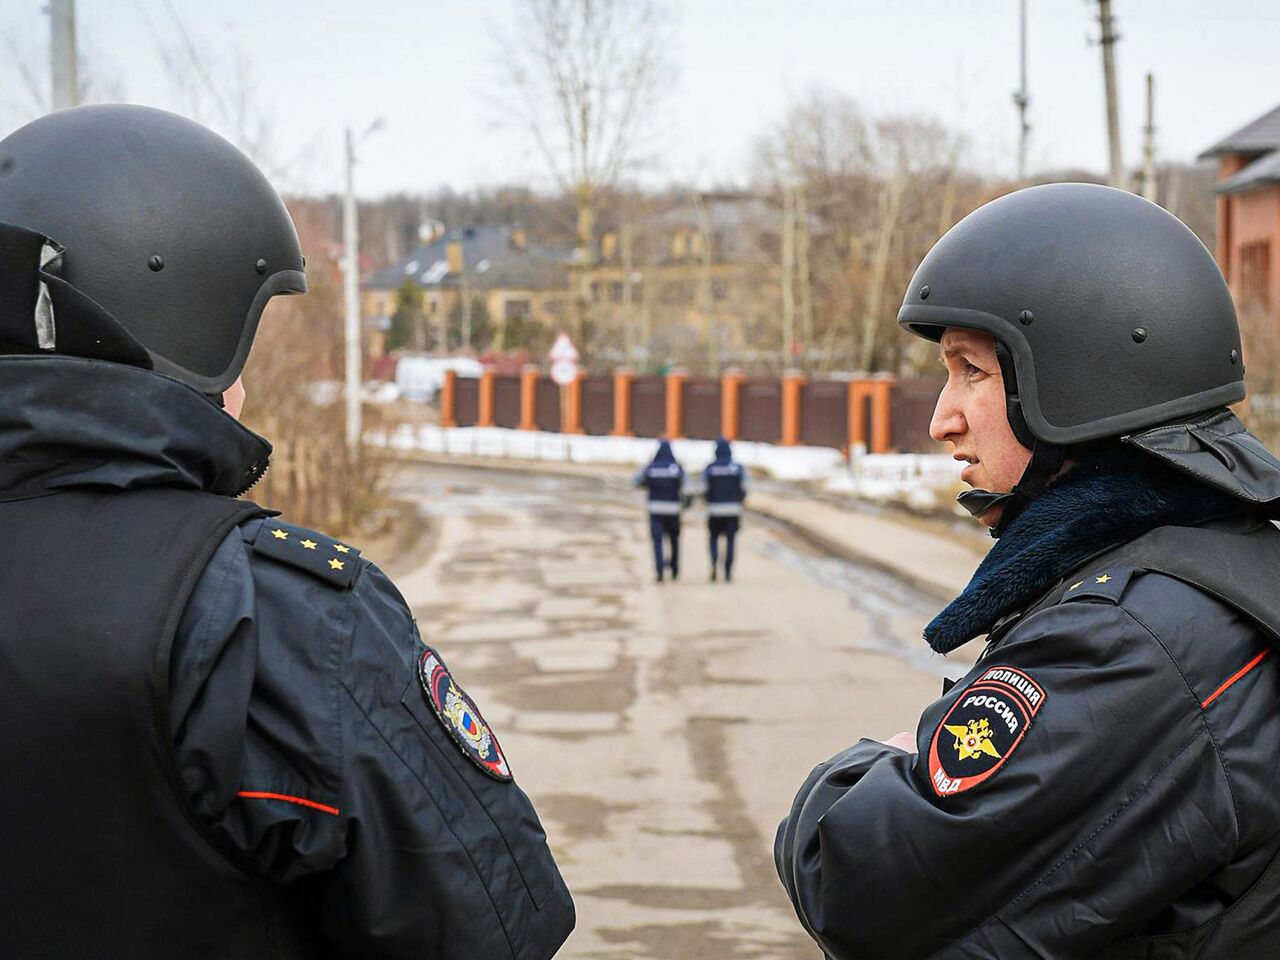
{"x":661,"y":729}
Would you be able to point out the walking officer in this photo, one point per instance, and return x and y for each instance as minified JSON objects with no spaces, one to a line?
{"x":725,"y":483}
{"x":1103,"y":783}
{"x":223,"y":734}
{"x":664,"y":479}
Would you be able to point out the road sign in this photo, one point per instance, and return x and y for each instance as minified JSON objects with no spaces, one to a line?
{"x":563,"y":349}
{"x":564,"y":372}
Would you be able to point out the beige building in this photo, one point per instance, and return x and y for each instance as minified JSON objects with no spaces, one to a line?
{"x":699,"y":279}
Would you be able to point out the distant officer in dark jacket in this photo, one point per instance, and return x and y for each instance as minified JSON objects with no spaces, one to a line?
{"x":1105,"y":782}
{"x":664,"y":480}
{"x":223,"y":734}
{"x":724,"y":483}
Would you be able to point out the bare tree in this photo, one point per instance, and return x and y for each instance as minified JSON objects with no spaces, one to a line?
{"x":586,"y":75}
{"x":25,"y":87}
{"x":874,"y":193}
{"x":1261,"y":338}
{"x":582,"y":78}
{"x":214,"y":82}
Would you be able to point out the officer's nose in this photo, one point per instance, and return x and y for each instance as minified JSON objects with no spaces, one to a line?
{"x":948,"y":421}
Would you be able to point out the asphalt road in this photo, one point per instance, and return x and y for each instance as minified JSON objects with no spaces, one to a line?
{"x":661,"y":729}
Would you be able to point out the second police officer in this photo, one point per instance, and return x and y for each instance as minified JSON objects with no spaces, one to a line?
{"x":1102,"y":785}
{"x":724,"y":484}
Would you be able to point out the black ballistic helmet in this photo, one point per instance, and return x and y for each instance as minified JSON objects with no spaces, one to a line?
{"x":165,"y":238}
{"x":1108,"y":314}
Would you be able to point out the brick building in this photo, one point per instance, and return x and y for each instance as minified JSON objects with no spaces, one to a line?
{"x":1248,"y":189}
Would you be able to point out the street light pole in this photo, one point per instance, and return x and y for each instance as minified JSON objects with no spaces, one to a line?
{"x":351,"y":291}
{"x":1149,"y":144}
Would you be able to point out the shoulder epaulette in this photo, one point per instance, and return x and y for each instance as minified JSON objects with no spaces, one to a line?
{"x":329,"y":559}
{"x":1101,"y":584}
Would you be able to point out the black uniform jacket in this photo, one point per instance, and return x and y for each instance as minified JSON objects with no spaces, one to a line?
{"x":303,"y":735}
{"x":1104,"y":783}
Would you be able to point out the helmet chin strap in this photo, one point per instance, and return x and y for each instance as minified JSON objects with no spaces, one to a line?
{"x":978,"y":502}
{"x":1046,"y":460}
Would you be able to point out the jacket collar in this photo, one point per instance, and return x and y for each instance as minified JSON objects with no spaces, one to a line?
{"x":1103,"y":502}
{"x":69,"y":422}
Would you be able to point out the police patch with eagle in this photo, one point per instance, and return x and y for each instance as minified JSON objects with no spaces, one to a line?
{"x":460,"y":718}
{"x":982,"y":728}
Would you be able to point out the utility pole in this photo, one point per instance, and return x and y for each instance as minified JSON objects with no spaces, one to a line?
{"x":62,"y":52}
{"x":788,"y":272}
{"x":351,"y":291}
{"x":1149,"y":144}
{"x":802,"y":271}
{"x":1108,"y":42}
{"x":1020,"y":98}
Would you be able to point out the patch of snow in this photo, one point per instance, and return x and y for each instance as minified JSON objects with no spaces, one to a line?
{"x":914,"y":477}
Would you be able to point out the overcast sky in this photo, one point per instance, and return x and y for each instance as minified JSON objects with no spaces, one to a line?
{"x":429,"y":67}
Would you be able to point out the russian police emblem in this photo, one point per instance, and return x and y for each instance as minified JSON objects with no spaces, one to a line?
{"x":460,"y":718}
{"x":983,"y":727}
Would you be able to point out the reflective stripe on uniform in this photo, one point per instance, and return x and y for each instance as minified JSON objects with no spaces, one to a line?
{"x":664,"y":508}
{"x":724,"y":509}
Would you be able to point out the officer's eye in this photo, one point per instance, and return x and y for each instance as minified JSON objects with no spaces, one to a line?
{"x":970,"y":371}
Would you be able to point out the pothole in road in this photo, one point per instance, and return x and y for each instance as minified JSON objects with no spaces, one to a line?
{"x":578,"y":816}
{"x":612,"y":692}
{"x":713,"y":938}
{"x":689,"y":658}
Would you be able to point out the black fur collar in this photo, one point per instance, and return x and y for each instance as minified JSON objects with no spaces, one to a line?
{"x":1106,"y":500}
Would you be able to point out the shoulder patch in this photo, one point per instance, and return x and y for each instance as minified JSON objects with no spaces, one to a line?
{"x":460,"y":717}
{"x":1102,"y":584}
{"x":329,"y":559}
{"x":983,"y":727}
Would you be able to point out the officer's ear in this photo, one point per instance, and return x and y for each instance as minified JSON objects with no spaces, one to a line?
{"x":233,"y":398}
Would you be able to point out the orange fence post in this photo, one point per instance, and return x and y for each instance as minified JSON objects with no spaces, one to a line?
{"x":731,"y":403}
{"x":529,"y":397}
{"x":485,"y":417}
{"x":573,"y":405}
{"x":859,"y":390}
{"x":449,"y":399}
{"x":622,"y":403}
{"x":792,"y":383}
{"x":881,"y":404}
{"x":675,"y":404}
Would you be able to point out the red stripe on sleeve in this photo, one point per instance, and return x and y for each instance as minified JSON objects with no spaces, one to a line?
{"x":1236,"y":676}
{"x":259,"y":795}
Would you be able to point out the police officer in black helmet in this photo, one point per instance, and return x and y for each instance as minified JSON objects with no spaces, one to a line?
{"x":223,"y":735}
{"x":1104,"y":782}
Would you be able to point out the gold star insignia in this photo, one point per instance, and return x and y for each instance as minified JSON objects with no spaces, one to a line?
{"x":280,"y":534}
{"x":341,"y":549}
{"x":1102,"y":579}
{"x":309,"y":544}
{"x":1078,"y":583}
{"x":336,"y":564}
